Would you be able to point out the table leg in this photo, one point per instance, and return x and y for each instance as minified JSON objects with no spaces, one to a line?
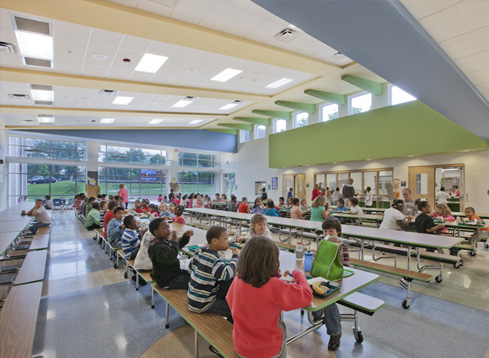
{"x":196,"y":344}
{"x":167,"y":323}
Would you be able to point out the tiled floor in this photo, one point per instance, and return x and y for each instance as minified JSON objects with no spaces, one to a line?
{"x":90,"y":310}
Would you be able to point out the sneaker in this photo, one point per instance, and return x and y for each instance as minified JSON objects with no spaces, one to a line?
{"x":318,"y":316}
{"x":334,"y":343}
{"x":215,"y":351}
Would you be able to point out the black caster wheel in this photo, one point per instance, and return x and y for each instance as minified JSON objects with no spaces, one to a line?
{"x":126,"y":275}
{"x":406,"y":304}
{"x":358,"y":335}
{"x":457,"y":264}
{"x":116,"y":265}
{"x":94,"y":238}
{"x":152,"y":307}
{"x":439,"y":278}
{"x":167,"y":326}
{"x":486,"y":245}
{"x":473,"y":253}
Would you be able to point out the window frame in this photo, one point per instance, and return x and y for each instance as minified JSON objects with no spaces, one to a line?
{"x":255,"y":130}
{"x":296,"y":115}
{"x":241,"y":136}
{"x":321,"y":114}
{"x":352,"y":97}
{"x":275,"y":120}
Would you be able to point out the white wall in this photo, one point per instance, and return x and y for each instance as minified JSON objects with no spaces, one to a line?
{"x":251,"y":164}
{"x":3,"y":168}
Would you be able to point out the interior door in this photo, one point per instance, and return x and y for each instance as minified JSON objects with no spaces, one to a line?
{"x":288,"y":182}
{"x":300,"y":186}
{"x":422,"y":183}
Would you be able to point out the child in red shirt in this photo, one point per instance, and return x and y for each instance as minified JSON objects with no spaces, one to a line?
{"x":179,"y":219}
{"x":243,"y":207}
{"x":109,"y":214}
{"x":257,"y":297}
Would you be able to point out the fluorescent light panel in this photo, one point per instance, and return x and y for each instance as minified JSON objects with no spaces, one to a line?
{"x":45,"y":119}
{"x":123,"y":101}
{"x":228,"y":106}
{"x":226,"y":75}
{"x":150,"y":63}
{"x":279,"y":83}
{"x":107,"y":120}
{"x":182,"y":103}
{"x":195,"y":121}
{"x":155,"y":121}
{"x":35,"y":45}
{"x":42,"y":95}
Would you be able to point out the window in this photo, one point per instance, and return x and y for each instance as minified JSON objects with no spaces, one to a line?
{"x":28,"y":147}
{"x":279,"y":125}
{"x":197,"y":182}
{"x":230,"y":183}
{"x":38,"y":180}
{"x":260,"y":132}
{"x":360,"y":103}
{"x":300,"y":119}
{"x":115,"y":154}
{"x":328,"y":112}
{"x":398,"y":96}
{"x":197,"y":160}
{"x":144,"y":183}
{"x":244,"y":136}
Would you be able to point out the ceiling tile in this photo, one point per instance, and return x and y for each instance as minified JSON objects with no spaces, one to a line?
{"x":422,"y":8}
{"x":74,"y":68}
{"x":119,"y":73}
{"x":8,"y":35}
{"x":479,"y":77}
{"x":68,"y":50}
{"x":137,"y":44}
{"x":94,"y":70}
{"x":7,"y":60}
{"x":162,"y":49}
{"x":105,"y":38}
{"x":98,"y":49}
{"x":475,"y":62}
{"x":153,"y":7}
{"x":192,"y":11}
{"x":243,"y":24}
{"x":266,"y":30}
{"x":457,"y":20}
{"x":141,"y":76}
{"x":240,"y":4}
{"x":220,"y":16}
{"x":121,"y":54}
{"x":467,"y":44}
{"x":69,"y":31}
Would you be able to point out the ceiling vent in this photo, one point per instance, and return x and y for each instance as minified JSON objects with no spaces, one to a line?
{"x":39,"y":27}
{"x":18,"y":96}
{"x":189,"y":98}
{"x":41,"y":87}
{"x":105,"y":92}
{"x":288,"y":33}
{"x":30,"y":61}
{"x":7,"y":48}
{"x":168,"y":3}
{"x":29,"y":121}
{"x":44,"y":103}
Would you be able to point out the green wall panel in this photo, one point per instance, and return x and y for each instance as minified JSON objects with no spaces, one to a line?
{"x":395,"y":131}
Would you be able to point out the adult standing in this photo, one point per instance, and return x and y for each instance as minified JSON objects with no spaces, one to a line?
{"x":348,"y":190}
{"x":315,"y":192}
{"x":124,"y":194}
{"x":394,"y":218}
{"x":264,"y":195}
{"x":409,"y":203}
{"x":41,"y":214}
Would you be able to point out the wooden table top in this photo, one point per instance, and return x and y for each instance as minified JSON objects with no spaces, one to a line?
{"x":18,"y":321}
{"x":13,"y":226}
{"x":6,"y":239}
{"x":358,"y":216}
{"x":33,"y":268}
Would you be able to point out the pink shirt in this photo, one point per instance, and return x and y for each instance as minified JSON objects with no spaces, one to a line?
{"x":125,"y":194}
{"x":179,"y":220}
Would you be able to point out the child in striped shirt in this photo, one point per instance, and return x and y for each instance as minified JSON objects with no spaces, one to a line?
{"x":103,"y":210}
{"x":210,"y":276}
{"x":130,"y":238}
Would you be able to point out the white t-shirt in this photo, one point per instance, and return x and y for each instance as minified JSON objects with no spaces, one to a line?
{"x":143,"y":262}
{"x":42,"y":215}
{"x":49,"y":203}
{"x":441,"y":197}
{"x":390,"y":219}
{"x":368,"y":199}
{"x":356,"y":210}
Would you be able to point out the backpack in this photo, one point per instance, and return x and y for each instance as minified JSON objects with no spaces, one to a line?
{"x":328,"y":262}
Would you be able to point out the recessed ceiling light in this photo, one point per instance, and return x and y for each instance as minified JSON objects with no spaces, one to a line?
{"x":335,"y":162}
{"x":229,"y":106}
{"x":466,"y":150}
{"x":155,"y":121}
{"x":411,"y":155}
{"x":183,"y":102}
{"x":107,"y":120}
{"x":369,"y":160}
{"x":195,"y":121}
{"x":35,"y":45}
{"x":42,"y":95}
{"x":279,"y":83}
{"x":122,"y":100}
{"x":150,"y":63}
{"x":192,"y":70}
{"x":226,"y":75}
{"x":45,"y":118}
{"x":99,"y":56}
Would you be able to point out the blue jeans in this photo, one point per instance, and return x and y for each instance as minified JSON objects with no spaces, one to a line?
{"x":331,"y":319}
{"x":181,"y":281}
{"x":220,"y":305}
{"x":36,"y":226}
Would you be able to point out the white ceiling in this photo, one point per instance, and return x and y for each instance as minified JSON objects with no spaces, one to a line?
{"x":461,"y":28}
{"x":241,"y":18}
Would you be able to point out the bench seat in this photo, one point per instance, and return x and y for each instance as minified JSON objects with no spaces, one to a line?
{"x":419,"y":276}
{"x":423,"y":254}
{"x":216,"y":330}
{"x":33,"y":268}
{"x":39,"y":242}
{"x":362,"y":303}
{"x":18,"y":321}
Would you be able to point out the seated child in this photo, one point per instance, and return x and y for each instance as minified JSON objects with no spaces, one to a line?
{"x":281,"y":203}
{"x":92,"y":221}
{"x":424,"y":223}
{"x":258,"y":227}
{"x":208,"y":203}
{"x":77,"y":203}
{"x":224,"y":198}
{"x":102,"y":211}
{"x":243,"y":207}
{"x":355,"y":208}
{"x":115,"y":228}
{"x":210,"y":276}
{"x":341,"y":208}
{"x":91,"y":200}
{"x":164,"y":210}
{"x":257,"y":298}
{"x":109,"y":215}
{"x":481,"y":233}
{"x":163,"y":252}
{"x":143,"y":262}
{"x":304,"y":206}
{"x":49,"y":203}
{"x":130,"y":238}
{"x":336,"y":196}
{"x":160,"y":198}
{"x":199,"y":203}
{"x":330,"y":314}
{"x":233,"y":204}
{"x":442,"y":210}
{"x":153,"y":211}
{"x":84,"y":206}
{"x":296,"y":212}
{"x":120,"y":199}
{"x":271,"y":210}
{"x":218,"y":198}
{"x":258,"y":207}
{"x":171,"y":209}
{"x":289,"y":203}
{"x":165,"y":199}
{"x":144,"y":207}
{"x":179,"y":219}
